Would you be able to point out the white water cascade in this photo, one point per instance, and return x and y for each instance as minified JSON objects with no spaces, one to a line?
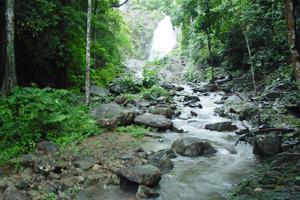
{"x":164,"y":39}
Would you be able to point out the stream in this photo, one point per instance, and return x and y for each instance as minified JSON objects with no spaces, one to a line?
{"x":197,"y":178}
{"x":203,"y":177}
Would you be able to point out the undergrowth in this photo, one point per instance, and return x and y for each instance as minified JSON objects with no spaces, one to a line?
{"x":29,"y":115}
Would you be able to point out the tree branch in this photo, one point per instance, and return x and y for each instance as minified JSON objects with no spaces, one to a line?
{"x":119,"y":5}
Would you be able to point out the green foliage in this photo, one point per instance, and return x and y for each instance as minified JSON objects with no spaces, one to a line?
{"x":150,"y":77}
{"x":154,"y":92}
{"x":129,"y":84}
{"x":32,"y":114}
{"x":133,"y":130}
{"x":51,"y":37}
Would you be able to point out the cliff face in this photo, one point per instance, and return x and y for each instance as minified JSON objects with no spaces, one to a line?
{"x":142,"y":24}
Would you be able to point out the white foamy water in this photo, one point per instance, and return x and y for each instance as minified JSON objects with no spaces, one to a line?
{"x":164,"y":39}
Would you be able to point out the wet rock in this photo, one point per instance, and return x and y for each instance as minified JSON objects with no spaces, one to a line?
{"x":85,"y":162}
{"x":206,"y":88}
{"x":191,"y":98}
{"x":177,"y":130}
{"x":165,"y":110}
{"x":193,"y":104}
{"x":179,"y":88}
{"x":144,"y":175}
{"x":154,"y":120}
{"x":27,"y":160}
{"x":221,"y":126}
{"x":12,"y":193}
{"x":144,"y":192}
{"x":266,"y":145}
{"x":161,"y":159}
{"x":192,"y":146}
{"x":113,"y":113}
{"x":194,"y":114}
{"x":168,"y":152}
{"x":47,"y":147}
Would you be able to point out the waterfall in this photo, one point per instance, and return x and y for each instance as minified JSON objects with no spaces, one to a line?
{"x":164,"y":39}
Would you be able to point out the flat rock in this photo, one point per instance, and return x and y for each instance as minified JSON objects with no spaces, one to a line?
{"x":144,"y":175}
{"x":165,"y":110}
{"x":192,"y":146}
{"x":47,"y":147}
{"x":154,"y":120}
{"x":12,"y":193}
{"x":85,"y":162}
{"x":221,"y":126}
{"x":113,"y":113}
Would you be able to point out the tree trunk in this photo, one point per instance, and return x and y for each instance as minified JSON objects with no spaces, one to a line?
{"x":208,"y":32}
{"x":10,"y":76}
{"x":291,"y":22}
{"x":95,"y":31}
{"x":88,"y":53}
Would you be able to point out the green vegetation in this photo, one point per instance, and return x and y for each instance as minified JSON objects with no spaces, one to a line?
{"x":50,"y":42}
{"x":133,"y":130}
{"x":32,"y":114}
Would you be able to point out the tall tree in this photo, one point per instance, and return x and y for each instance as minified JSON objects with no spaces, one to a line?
{"x":208,"y":33}
{"x":88,"y":53}
{"x":291,"y":21}
{"x":10,"y":76}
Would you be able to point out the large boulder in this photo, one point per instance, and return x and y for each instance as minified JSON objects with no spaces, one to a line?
{"x":221,"y":126}
{"x":12,"y":193}
{"x":154,"y":120}
{"x":165,"y":110}
{"x":161,"y":159}
{"x":245,"y":111}
{"x":143,"y":175}
{"x":192,"y":146}
{"x":266,"y":145}
{"x":113,"y":113}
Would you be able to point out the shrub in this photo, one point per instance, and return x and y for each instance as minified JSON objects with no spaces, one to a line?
{"x":154,"y":92}
{"x":31,"y":114}
{"x":150,"y":77}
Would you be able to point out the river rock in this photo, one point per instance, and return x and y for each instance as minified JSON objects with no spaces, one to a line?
{"x":161,"y":159}
{"x":12,"y":193}
{"x":154,"y":120}
{"x":244,"y":110}
{"x":266,"y":145}
{"x":113,"y":113}
{"x":193,"y":104}
{"x":221,"y":126}
{"x":192,"y":146}
{"x":47,"y":147}
{"x":165,"y":110}
{"x":146,"y":192}
{"x":85,"y":162}
{"x":191,"y":98}
{"x":144,"y":175}
{"x":98,"y":91}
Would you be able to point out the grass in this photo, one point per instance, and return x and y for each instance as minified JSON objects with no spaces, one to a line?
{"x":133,"y":130}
